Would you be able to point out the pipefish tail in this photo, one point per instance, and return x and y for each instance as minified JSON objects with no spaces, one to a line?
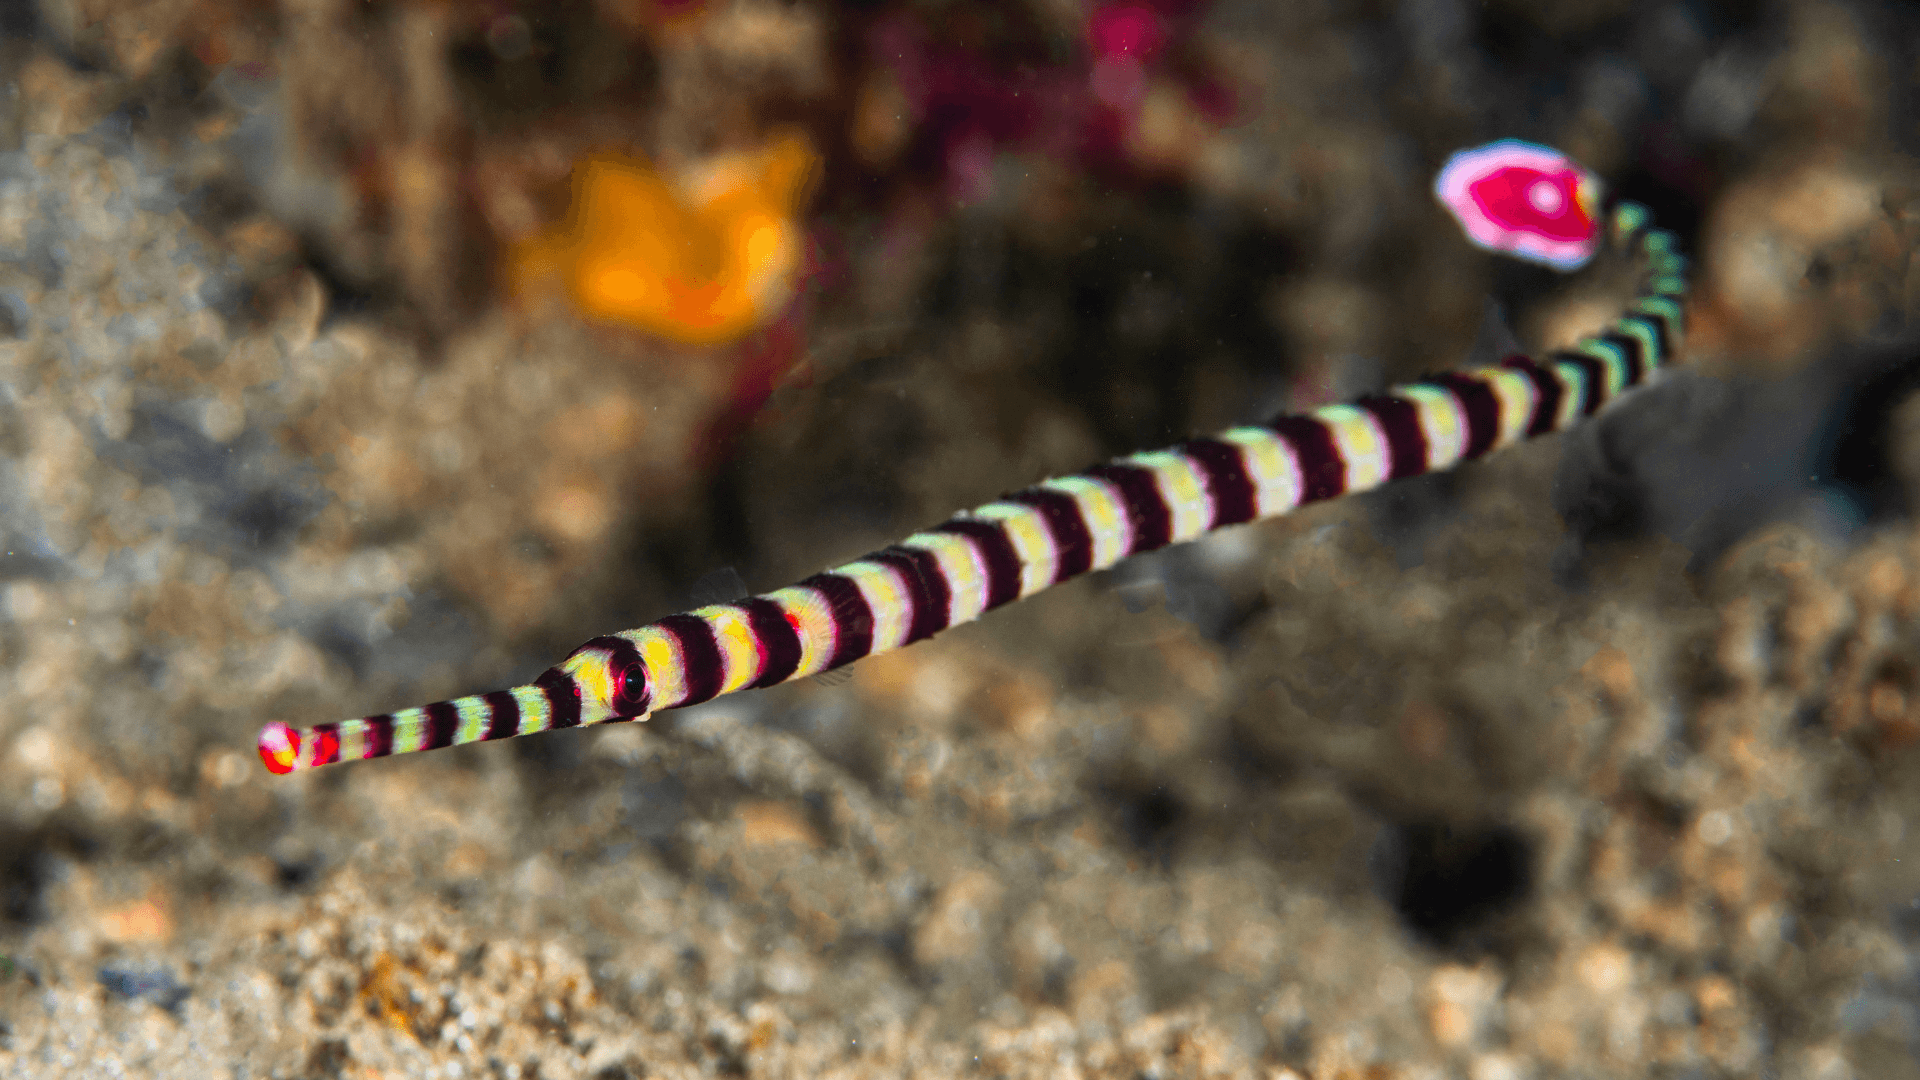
{"x":1516,"y":198}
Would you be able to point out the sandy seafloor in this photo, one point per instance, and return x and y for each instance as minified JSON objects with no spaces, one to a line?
{"x":1600,"y":758}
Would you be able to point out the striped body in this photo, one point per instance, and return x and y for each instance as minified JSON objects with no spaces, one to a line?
{"x":1050,"y":532}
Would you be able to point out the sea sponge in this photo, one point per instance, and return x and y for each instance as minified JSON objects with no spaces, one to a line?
{"x":700,"y":257}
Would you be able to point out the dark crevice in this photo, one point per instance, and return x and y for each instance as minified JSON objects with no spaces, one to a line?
{"x":1447,"y":881}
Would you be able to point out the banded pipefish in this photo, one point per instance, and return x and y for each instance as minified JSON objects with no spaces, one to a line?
{"x":1511,"y":197}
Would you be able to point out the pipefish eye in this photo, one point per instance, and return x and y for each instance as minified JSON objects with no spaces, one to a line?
{"x":629,"y":686}
{"x":612,"y":667}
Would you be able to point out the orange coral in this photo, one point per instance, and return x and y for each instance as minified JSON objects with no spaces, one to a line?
{"x":700,"y":258}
